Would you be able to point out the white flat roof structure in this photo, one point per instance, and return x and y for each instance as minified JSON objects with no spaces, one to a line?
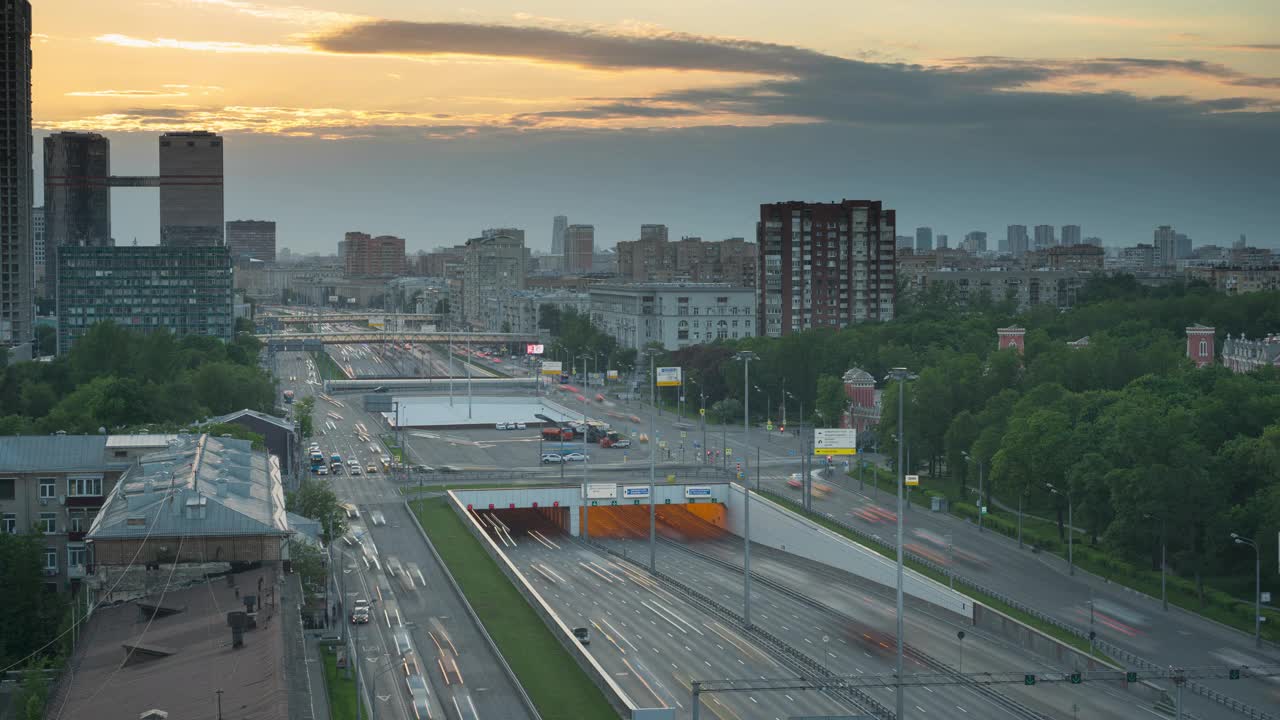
{"x":485,"y":411}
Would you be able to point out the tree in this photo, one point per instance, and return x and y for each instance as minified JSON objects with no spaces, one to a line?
{"x":303,"y":411}
{"x":29,"y":614}
{"x":830,"y":402}
{"x":316,"y":500}
{"x":308,"y":562}
{"x":33,"y":694}
{"x":46,"y":340}
{"x":727,"y":410}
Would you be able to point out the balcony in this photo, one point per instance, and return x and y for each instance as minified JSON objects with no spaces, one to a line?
{"x":75,"y":572}
{"x":84,"y":501}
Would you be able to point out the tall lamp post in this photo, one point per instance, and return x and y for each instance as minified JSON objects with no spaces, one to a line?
{"x":981,"y":507}
{"x":746,"y":356}
{"x":1164,"y":596}
{"x":902,"y":376}
{"x":1257,"y":586}
{"x":1071,"y":563}
{"x":653,"y":455}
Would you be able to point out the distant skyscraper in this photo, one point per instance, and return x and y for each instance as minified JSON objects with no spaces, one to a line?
{"x":1181,"y":246}
{"x":254,"y":239}
{"x":1044,"y":237}
{"x":1016,"y":237}
{"x":1070,"y":235}
{"x":37,"y":246}
{"x":558,"y":225}
{"x":191,"y":190}
{"x":850,"y":282}
{"x":924,"y":239}
{"x":579,"y":248}
{"x":653,"y":233}
{"x":1241,"y":243}
{"x":17,"y":265}
{"x":1166,"y":246}
{"x":976,"y":241}
{"x":942,"y":241}
{"x":77,"y":197}
{"x":1094,"y":240}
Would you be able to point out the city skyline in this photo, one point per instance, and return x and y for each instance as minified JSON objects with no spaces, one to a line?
{"x":618,"y":115}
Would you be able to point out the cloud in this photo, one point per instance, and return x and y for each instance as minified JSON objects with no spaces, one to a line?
{"x":291,"y":14}
{"x":1261,"y":47}
{"x":128,"y":93}
{"x":214,"y":46}
{"x":1122,"y":67}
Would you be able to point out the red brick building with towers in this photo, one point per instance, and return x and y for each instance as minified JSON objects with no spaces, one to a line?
{"x":1012,"y":337}
{"x":1200,"y":345}
{"x":863,"y":411}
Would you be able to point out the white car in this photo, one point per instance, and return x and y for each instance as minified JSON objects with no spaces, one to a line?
{"x":503,"y":426}
{"x":551,"y":458}
{"x":575,"y":457}
{"x":519,"y":426}
{"x":355,"y":470}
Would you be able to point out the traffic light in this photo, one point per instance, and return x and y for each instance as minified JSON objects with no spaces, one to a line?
{"x":738,"y":467}
{"x":1028,"y":679}
{"x":1233,"y":674}
{"x":782,"y":429}
{"x":1076,"y":679}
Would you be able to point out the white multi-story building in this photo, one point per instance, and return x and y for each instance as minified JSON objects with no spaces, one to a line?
{"x":520,"y":311}
{"x":673,"y":314}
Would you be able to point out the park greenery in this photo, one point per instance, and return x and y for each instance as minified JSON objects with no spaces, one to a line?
{"x":1143,"y":447}
{"x":577,"y":339}
{"x":114,"y":378}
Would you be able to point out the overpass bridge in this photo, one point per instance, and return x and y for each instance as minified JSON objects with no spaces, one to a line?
{"x":384,"y":318}
{"x":310,"y":341}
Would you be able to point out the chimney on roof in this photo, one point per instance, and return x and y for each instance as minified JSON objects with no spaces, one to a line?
{"x":153,"y":714}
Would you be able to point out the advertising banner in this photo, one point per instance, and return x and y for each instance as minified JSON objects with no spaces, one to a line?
{"x":551,"y":367}
{"x":669,"y":377}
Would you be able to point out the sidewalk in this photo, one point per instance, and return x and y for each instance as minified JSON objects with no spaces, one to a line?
{"x":304,"y":670}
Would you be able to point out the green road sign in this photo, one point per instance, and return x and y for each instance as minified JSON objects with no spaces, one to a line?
{"x":1233,"y":674}
{"x":613,"y":502}
{"x":1076,"y":678}
{"x":594,"y":503}
{"x":1131,"y":677}
{"x":1028,"y":679}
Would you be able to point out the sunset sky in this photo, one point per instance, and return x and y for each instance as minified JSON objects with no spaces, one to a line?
{"x":432,"y":121}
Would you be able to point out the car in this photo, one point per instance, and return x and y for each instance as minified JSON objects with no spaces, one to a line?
{"x":403,"y":646}
{"x":416,"y":683}
{"x":583,"y":635}
{"x":551,"y":458}
{"x":421,"y":708}
{"x":322,"y":470}
{"x":371,"y":469}
{"x":503,"y":426}
{"x":393,"y":565}
{"x":377,"y":518}
{"x":576,"y":457}
{"x":355,"y":470}
{"x":795,"y":481}
{"x":448,"y":469}
{"x":360,"y":613}
{"x":621,"y":444}
{"x":519,"y":426}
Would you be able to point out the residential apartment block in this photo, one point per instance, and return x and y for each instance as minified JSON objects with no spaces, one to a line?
{"x":186,"y":290}
{"x":366,"y":256}
{"x":495,"y":262}
{"x":1059,"y":288}
{"x":824,"y":265}
{"x":653,"y":258}
{"x":674,"y":314}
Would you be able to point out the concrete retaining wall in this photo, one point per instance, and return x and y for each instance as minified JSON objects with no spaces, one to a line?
{"x":616,"y":696}
{"x":778,"y":527}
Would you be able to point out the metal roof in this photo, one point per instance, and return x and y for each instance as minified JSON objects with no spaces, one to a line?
{"x":53,"y":453}
{"x":155,"y":440}
{"x":237,"y":491}
{"x":233,"y":416}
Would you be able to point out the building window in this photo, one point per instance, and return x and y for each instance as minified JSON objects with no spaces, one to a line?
{"x":9,"y":524}
{"x":50,"y":558}
{"x":48,"y":523}
{"x":75,"y":556}
{"x":1204,"y":348}
{"x":46,"y":488}
{"x":6,"y":488}
{"x":682,"y":332}
{"x":84,"y":486}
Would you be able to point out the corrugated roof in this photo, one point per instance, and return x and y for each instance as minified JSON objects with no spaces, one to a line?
{"x":242,"y":491}
{"x":233,"y":416}
{"x":53,"y":453}
{"x":156,"y":440}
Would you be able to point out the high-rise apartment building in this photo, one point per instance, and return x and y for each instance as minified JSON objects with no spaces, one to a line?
{"x":975,"y":241}
{"x":924,"y":239}
{"x":825,"y":265}
{"x":494,"y":264}
{"x":1165,"y":243}
{"x":191,"y":196}
{"x":654,"y":233}
{"x":654,"y":259}
{"x":1044,"y":237}
{"x":1070,"y":235}
{"x":1181,"y":246}
{"x":1016,"y":237}
{"x":579,"y":248}
{"x":17,"y":266}
{"x":943,"y":241}
{"x":185,"y":290}
{"x":37,"y":248}
{"x":558,"y":225}
{"x":365,"y":256}
{"x":77,"y":195}
{"x":252,"y":239}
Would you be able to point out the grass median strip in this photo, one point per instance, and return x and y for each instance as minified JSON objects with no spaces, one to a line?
{"x":1049,"y":629}
{"x":341,"y":689}
{"x":555,"y":683}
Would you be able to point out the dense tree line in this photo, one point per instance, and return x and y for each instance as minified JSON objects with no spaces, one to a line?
{"x":576,"y":337}
{"x":114,"y":378}
{"x":1146,"y":446}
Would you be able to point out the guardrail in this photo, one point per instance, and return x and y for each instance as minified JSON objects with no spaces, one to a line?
{"x":1120,"y":654}
{"x":780,"y":649}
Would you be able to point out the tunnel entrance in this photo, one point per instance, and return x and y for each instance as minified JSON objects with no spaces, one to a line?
{"x":682,"y":523}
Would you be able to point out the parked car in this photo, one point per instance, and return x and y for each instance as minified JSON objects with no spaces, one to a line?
{"x":575,"y":457}
{"x":503,"y":426}
{"x":551,"y":458}
{"x":619,"y":444}
{"x":519,"y":426}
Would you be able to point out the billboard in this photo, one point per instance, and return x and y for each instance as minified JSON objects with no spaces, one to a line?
{"x":835,"y":441}
{"x":669,"y":377}
{"x":533,"y":349}
{"x":601,"y":491}
{"x":697,"y":491}
{"x":551,"y":367}
{"x":377,"y":321}
{"x":612,"y":375}
{"x":635,"y":492}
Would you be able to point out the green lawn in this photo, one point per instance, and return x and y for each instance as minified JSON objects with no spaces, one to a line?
{"x":327,"y":367}
{"x":413,"y":489}
{"x":558,"y":687}
{"x":341,"y":689}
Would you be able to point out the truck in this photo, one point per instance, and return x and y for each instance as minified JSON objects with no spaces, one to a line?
{"x":556,"y":433}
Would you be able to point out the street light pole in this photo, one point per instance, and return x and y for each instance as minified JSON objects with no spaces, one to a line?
{"x":1257,"y":586}
{"x":746,"y":356}
{"x":653,"y":455}
{"x":901,"y":375}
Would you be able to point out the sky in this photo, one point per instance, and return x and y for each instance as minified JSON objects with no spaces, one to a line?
{"x":433,"y":121}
